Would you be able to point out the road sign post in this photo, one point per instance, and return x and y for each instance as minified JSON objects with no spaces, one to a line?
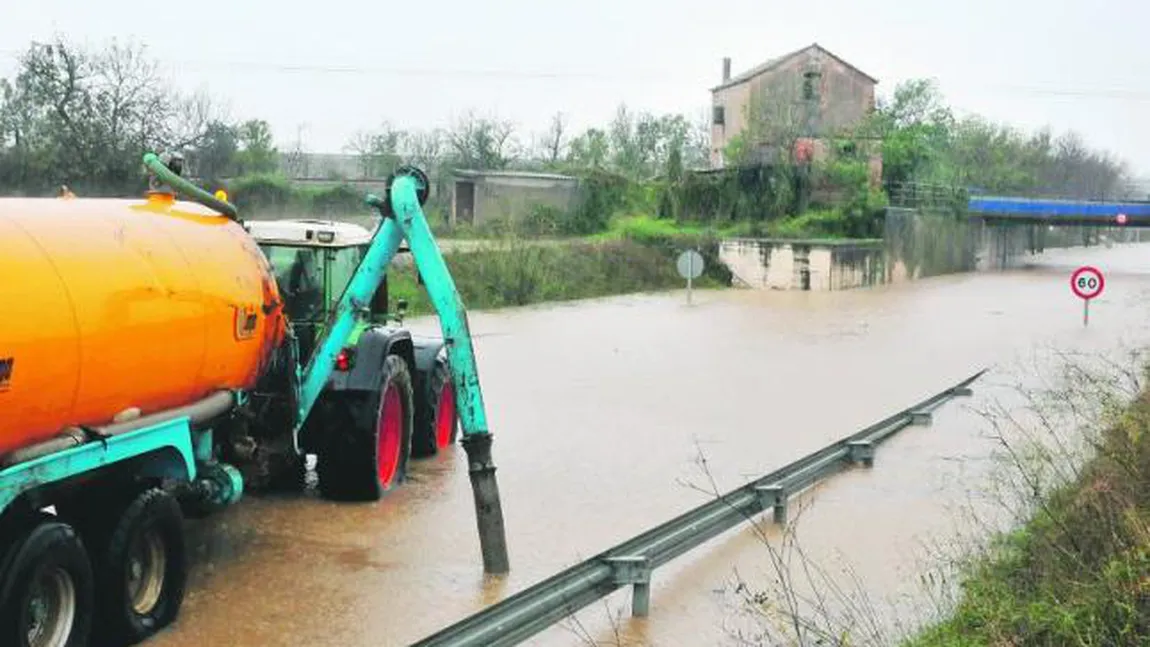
{"x":1087,"y":282}
{"x":690,"y":266}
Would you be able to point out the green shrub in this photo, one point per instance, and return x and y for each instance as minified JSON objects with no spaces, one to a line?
{"x":522,"y":273}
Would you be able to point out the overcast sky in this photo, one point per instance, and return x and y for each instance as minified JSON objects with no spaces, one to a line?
{"x":331,"y":68}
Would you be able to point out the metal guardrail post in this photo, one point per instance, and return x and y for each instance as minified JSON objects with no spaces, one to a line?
{"x":861,"y":452}
{"x":774,"y":498}
{"x":631,"y":563}
{"x":636,"y":571}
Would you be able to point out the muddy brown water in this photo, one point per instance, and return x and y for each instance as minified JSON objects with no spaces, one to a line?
{"x":600,"y":410}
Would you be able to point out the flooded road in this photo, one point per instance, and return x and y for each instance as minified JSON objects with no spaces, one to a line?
{"x":600,"y":411}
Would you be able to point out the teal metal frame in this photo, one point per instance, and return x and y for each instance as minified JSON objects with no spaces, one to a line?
{"x":445,"y":297}
{"x":354,"y":305}
{"x":168,"y":447}
{"x":402,"y":210}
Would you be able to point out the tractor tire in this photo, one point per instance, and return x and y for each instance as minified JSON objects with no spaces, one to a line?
{"x":367,"y":442}
{"x":440,"y":427}
{"x":140,"y":561}
{"x":45,"y":562}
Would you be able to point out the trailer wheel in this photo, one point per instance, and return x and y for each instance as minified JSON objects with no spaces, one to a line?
{"x":141,"y":569}
{"x":441,"y":427}
{"x":49,"y":589}
{"x":367,"y":454}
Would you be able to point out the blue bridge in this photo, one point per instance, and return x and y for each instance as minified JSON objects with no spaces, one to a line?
{"x":1059,"y":212}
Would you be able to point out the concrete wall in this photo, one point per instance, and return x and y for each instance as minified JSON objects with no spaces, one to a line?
{"x":915,"y":246}
{"x":798,"y":265}
{"x":923,"y":244}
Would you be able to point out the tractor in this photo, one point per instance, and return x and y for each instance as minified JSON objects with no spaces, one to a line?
{"x":383,"y":374}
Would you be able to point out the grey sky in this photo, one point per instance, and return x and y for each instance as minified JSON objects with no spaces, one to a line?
{"x":1072,"y":64}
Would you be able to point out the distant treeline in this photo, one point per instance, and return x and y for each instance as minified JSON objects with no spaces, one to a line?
{"x":83,"y":118}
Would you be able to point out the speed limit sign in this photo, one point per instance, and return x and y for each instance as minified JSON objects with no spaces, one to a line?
{"x":1087,"y":282}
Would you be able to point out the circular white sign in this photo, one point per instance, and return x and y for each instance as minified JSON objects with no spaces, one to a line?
{"x":690,"y":264}
{"x":1087,"y":282}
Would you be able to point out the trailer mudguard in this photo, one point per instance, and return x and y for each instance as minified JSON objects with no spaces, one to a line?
{"x":374,"y":344}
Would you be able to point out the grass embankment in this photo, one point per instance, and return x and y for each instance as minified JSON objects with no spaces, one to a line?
{"x":812,"y":225}
{"x":634,"y":254}
{"x":518,"y":273}
{"x":1079,"y":572}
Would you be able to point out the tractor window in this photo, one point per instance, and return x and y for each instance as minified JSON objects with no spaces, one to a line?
{"x":299,"y":274}
{"x":343,"y":264}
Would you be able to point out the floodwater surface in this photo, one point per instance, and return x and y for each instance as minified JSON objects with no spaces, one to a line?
{"x":601,"y":412}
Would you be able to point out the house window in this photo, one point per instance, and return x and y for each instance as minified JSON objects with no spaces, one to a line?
{"x":809,"y":86}
{"x":718,"y":116}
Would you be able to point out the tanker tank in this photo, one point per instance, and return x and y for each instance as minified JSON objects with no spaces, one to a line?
{"x":112,"y":305}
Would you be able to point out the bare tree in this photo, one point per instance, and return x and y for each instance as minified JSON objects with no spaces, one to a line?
{"x":482,"y":142}
{"x":83,"y":118}
{"x":554,"y":142}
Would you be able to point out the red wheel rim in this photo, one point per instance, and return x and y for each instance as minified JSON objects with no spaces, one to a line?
{"x":389,"y":435}
{"x":445,"y":416}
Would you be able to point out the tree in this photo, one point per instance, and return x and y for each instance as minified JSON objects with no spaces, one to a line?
{"x":589,"y":150}
{"x":84,"y":117}
{"x":214,"y":157}
{"x":482,"y":143}
{"x":379,"y":152}
{"x":257,"y":153}
{"x":776,"y":117}
{"x":554,"y":142}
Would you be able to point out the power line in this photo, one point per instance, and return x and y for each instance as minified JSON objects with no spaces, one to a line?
{"x":645,"y":76}
{"x":630,"y":76}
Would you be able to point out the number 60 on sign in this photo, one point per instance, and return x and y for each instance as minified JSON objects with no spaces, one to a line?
{"x":1087,"y":283}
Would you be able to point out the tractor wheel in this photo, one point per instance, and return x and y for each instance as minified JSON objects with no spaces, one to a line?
{"x":368,"y":440}
{"x":140,"y":562}
{"x":49,"y":600}
{"x":441,"y":426}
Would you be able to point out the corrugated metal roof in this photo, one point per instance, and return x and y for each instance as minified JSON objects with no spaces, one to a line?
{"x":471,"y":173}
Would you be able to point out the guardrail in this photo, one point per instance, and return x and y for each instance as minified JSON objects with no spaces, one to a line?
{"x":532,"y":610}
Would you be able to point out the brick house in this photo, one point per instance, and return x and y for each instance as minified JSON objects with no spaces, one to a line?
{"x":798,"y":102}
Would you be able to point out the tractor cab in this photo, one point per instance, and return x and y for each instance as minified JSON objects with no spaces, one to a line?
{"x":313,"y":261}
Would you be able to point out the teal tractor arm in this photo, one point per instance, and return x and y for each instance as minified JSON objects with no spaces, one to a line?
{"x":351,"y":310}
{"x":407,"y":191}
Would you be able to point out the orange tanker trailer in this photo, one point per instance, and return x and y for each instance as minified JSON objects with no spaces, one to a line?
{"x":148,"y":370}
{"x":114,"y":308}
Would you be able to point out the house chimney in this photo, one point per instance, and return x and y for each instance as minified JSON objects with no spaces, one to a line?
{"x":726,"y":69}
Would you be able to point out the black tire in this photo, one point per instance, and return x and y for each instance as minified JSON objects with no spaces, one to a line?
{"x":129,"y":614}
{"x":48,"y":552}
{"x":427,"y":441}
{"x":348,"y":464}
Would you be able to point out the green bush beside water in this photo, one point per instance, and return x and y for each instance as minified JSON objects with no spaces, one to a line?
{"x":521,"y":274}
{"x":1079,"y":572}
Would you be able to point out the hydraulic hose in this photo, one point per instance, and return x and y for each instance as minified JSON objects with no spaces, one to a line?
{"x":152,"y":161}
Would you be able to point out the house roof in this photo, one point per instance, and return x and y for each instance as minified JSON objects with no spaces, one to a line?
{"x":775,"y":62}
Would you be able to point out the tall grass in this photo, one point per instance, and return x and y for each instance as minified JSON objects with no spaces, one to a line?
{"x":1077,"y":572}
{"x":519,"y":273}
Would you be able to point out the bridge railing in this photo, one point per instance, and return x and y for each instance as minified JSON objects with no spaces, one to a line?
{"x":915,"y":195}
{"x":532,"y":610}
